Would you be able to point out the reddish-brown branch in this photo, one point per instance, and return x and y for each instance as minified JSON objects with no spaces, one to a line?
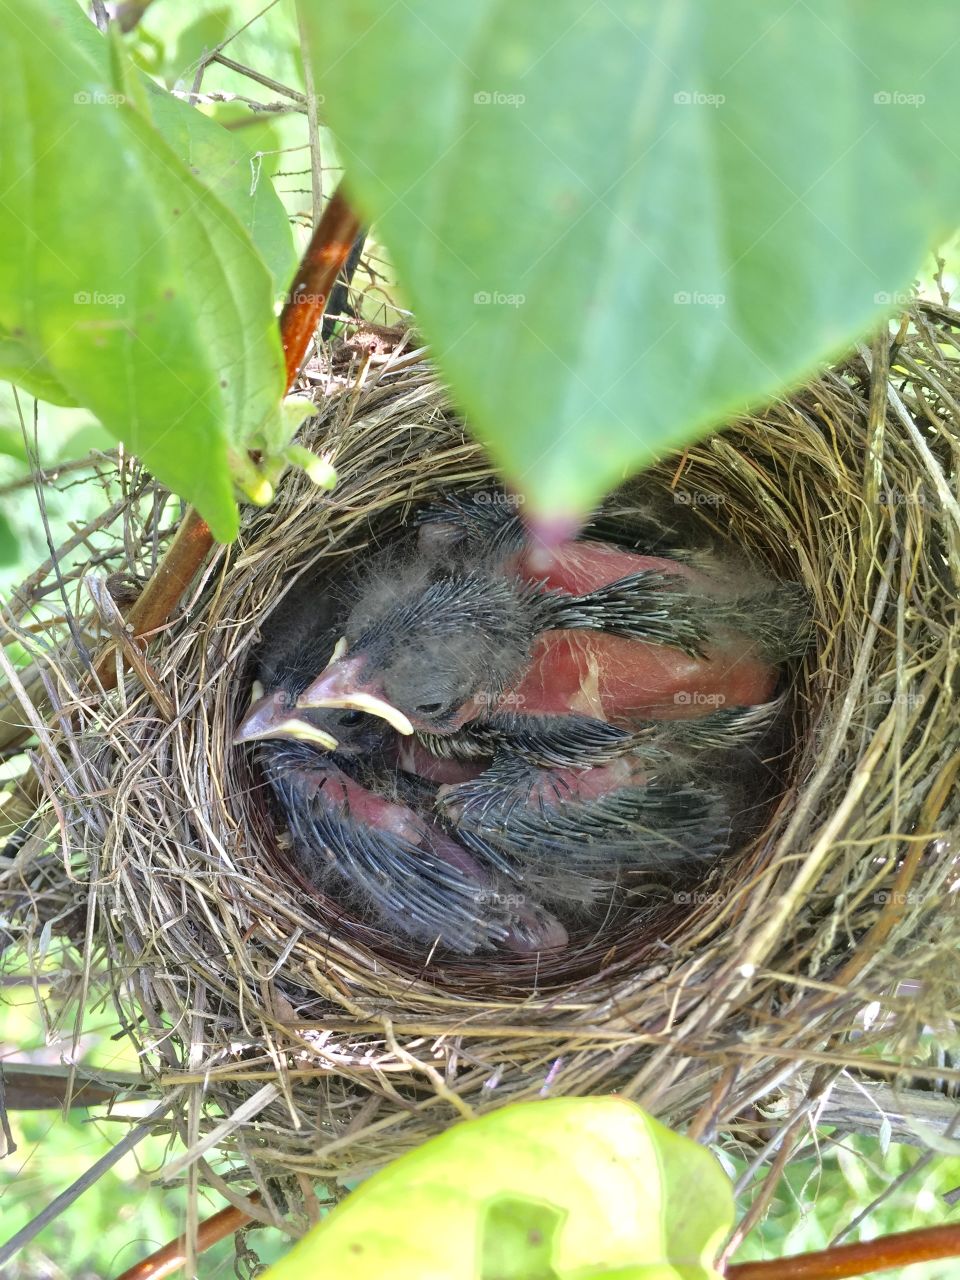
{"x":170,"y":579}
{"x":845,"y":1260}
{"x":841,"y":1262}
{"x":173,"y":1255}
{"x":326,"y":253}
{"x":316,"y":275}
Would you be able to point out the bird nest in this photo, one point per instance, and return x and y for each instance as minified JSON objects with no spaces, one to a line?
{"x":292,"y":1042}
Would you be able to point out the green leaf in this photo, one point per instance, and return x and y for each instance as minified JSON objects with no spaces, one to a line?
{"x":21,"y":363}
{"x":518,"y":1238}
{"x":194,"y":40}
{"x":9,"y":542}
{"x":565,"y":1189}
{"x":123,"y":279}
{"x":83,"y":441}
{"x":11,"y":443}
{"x":222,"y":160}
{"x":225,"y":162}
{"x":617,"y":223}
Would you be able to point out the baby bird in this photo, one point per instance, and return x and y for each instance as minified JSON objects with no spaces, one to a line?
{"x":483,"y":744}
{"x":298,"y":641}
{"x":395,"y":867}
{"x":334,"y":775}
{"x":602,"y":631}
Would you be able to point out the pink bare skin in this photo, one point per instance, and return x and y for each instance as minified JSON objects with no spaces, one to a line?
{"x":341,"y":794}
{"x":591,"y":673}
{"x":619,"y":680}
{"x":556,"y":786}
{"x":412,"y":756}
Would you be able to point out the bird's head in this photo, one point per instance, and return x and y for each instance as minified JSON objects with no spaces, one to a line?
{"x":275,"y":714}
{"x":428,"y":648}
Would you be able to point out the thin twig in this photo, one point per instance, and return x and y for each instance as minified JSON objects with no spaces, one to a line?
{"x":50,"y":475}
{"x":313,"y":120}
{"x":167,"y":584}
{"x":259,"y":77}
{"x":78,"y":642}
{"x":86,"y":1180}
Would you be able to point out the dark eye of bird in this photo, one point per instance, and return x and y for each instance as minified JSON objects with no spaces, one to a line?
{"x":350,"y":718}
{"x":430,"y":708}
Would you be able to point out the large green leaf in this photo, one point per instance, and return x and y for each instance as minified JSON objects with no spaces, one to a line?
{"x":126,"y":285}
{"x":223,"y":161}
{"x":559,"y":1190}
{"x":205,"y":32}
{"x":220,"y":159}
{"x":618,"y":222}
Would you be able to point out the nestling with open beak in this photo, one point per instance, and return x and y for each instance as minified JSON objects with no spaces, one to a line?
{"x":557,"y":723}
{"x":299,"y":641}
{"x":603,"y":632}
{"x":356,"y":834}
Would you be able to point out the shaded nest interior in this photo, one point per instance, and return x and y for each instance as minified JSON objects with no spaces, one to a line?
{"x":293,"y":1041}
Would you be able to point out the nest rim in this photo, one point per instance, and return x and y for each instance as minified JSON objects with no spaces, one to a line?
{"x":747,"y":983}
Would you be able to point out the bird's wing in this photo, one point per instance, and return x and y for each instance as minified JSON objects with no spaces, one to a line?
{"x":589,"y":823}
{"x":777,"y":619}
{"x":482,"y":524}
{"x":552,"y":740}
{"x":415,"y":881}
{"x":576,"y":741}
{"x":670,"y":609}
{"x":655,"y":607}
{"x":727,"y":729}
{"x":408,"y":889}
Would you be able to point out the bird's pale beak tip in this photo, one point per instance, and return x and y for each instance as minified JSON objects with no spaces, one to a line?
{"x":368,"y":703}
{"x":299,"y":730}
{"x":269,"y":716}
{"x":247,"y":732}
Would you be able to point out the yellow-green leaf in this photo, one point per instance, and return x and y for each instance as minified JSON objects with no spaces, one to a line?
{"x":563,"y":1189}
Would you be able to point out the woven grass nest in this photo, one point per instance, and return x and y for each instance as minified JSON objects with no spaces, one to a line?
{"x":298,"y":1043}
